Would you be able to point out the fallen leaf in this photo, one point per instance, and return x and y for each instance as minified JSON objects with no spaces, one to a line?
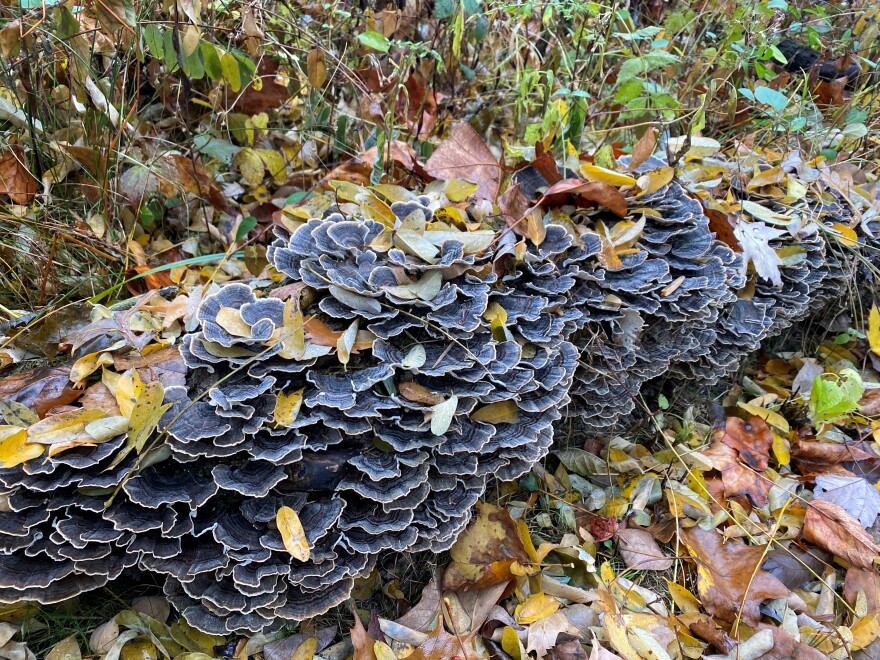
{"x":585,"y":193}
{"x":830,"y":527}
{"x":754,"y":239}
{"x":287,"y":407}
{"x":729,"y":580}
{"x":644,"y":148}
{"x":486,"y":550}
{"x":544,"y":633}
{"x":292,"y":533}
{"x":40,"y":389}
{"x":15,"y":448}
{"x":66,"y":649}
{"x":15,"y":178}
{"x":464,"y":155}
{"x":536,"y":607}
{"x":854,"y":494}
{"x":867,"y":581}
{"x":738,"y":479}
{"x":751,"y":439}
{"x":442,"y":415}
{"x":640,"y":551}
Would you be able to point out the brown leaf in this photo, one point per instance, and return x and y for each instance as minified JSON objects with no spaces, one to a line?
{"x":464,"y":155}
{"x":720,"y":224}
{"x":165,"y":365}
{"x":316,"y":67}
{"x":485,"y":552}
{"x":830,"y":527}
{"x":440,"y":645}
{"x":40,"y":389}
{"x":98,"y":397}
{"x":706,"y":629}
{"x":751,"y":439}
{"x":357,"y":170}
{"x":729,"y":579}
{"x":272,"y":93}
{"x":786,"y":647}
{"x":644,"y":148}
{"x":737,"y":478}
{"x":15,"y":178}
{"x":815,"y":458}
{"x":195,"y":181}
{"x":363,"y":645}
{"x":859,"y":579}
{"x":585,"y":193}
{"x":640,"y":551}
{"x":514,"y":206}
{"x":568,"y":647}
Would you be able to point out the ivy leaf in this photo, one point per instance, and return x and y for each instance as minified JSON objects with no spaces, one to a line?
{"x":831,"y":400}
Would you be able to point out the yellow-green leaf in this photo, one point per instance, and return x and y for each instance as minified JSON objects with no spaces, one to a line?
{"x":106,"y":428}
{"x":146,"y":414}
{"x":287,"y":407}
{"x":293,"y":333}
{"x":292,"y":533}
{"x":17,"y":414}
{"x":511,"y":645}
{"x":63,"y":427}
{"x":383,"y":651}
{"x":231,"y":71}
{"x":251,"y":166}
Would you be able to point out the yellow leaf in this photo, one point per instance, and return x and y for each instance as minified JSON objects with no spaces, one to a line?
{"x":306,"y":650}
{"x":128,"y":388}
{"x":146,"y":414}
{"x":15,"y":448}
{"x":865,"y":631}
{"x":458,"y":190}
{"x":274,"y":162}
{"x":767,"y":178}
{"x":88,"y":364}
{"x":375,"y":209}
{"x":536,"y":607}
{"x":62,"y":427}
{"x":683,"y":599}
{"x":596,"y":173}
{"x":383,"y":651}
{"x":230,"y":320}
{"x":287,"y":407}
{"x":502,"y":412}
{"x":874,"y":329}
{"x":653,"y":181}
{"x":511,"y":645}
{"x":845,"y":235}
{"x":781,"y":449}
{"x":293,"y":333}
{"x":231,"y":71}
{"x":292,"y":533}
{"x":772,"y":417}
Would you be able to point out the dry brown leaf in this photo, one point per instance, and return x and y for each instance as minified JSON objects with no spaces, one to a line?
{"x":441,"y":645}
{"x":363,"y":644}
{"x":40,"y":389}
{"x":15,"y":178}
{"x":859,"y":579}
{"x":729,"y":579}
{"x":585,"y":193}
{"x":485,"y":552}
{"x":640,"y":551}
{"x":830,"y":527}
{"x":751,"y":439}
{"x":464,"y":155}
{"x":786,"y":647}
{"x":644,"y":148}
{"x":737,"y":478}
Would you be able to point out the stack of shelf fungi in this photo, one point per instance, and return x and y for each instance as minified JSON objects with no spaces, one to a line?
{"x":457,"y":352}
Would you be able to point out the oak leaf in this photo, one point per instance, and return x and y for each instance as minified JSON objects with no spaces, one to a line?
{"x":729,"y":580}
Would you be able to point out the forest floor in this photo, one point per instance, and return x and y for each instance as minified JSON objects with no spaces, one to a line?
{"x":154,"y":146}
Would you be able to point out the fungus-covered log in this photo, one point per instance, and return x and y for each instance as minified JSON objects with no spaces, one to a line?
{"x":415,"y":362}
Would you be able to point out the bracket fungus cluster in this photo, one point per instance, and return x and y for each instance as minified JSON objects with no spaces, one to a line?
{"x":408,"y":362}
